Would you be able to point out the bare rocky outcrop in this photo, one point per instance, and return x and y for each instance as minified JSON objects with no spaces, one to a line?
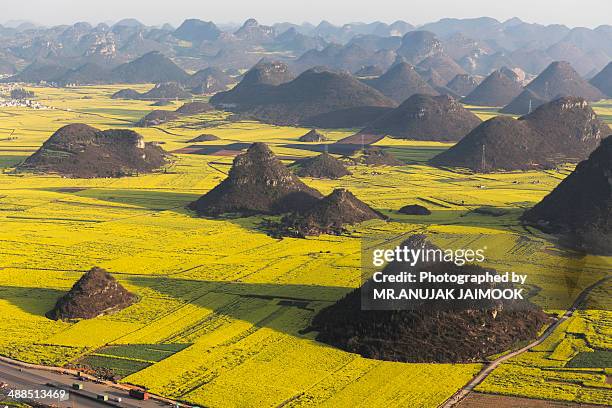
{"x":258,"y":183}
{"x":580,"y":208}
{"x":82,"y":151}
{"x":570,"y":126}
{"x":564,"y":130}
{"x":95,"y":293}
{"x":431,"y":333}
{"x":330,"y":215}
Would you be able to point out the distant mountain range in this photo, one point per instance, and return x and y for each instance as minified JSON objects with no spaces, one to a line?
{"x":445,"y":48}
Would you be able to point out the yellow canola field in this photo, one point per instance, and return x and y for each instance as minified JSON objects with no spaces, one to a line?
{"x":218,"y":284}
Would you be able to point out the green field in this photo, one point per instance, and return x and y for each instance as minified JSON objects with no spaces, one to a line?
{"x":211,"y":327}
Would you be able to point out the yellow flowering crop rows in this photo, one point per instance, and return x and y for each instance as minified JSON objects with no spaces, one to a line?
{"x":217,"y":284}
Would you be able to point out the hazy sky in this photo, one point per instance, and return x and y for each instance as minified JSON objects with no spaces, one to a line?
{"x":588,"y":13}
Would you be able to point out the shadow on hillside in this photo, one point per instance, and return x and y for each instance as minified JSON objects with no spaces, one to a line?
{"x":415,"y":154}
{"x":246,"y":301}
{"x":36,"y":301}
{"x":289,"y":308}
{"x":406,"y":154}
{"x":509,"y":221}
{"x":7,"y":161}
{"x":333,"y":148}
{"x":150,"y":200}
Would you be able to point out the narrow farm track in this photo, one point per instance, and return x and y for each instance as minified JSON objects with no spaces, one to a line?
{"x":488,"y":369}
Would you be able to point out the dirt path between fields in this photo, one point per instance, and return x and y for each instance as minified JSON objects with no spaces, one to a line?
{"x":488,"y":369}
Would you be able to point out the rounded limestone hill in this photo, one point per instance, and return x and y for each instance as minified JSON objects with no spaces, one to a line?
{"x":431,"y":331}
{"x":258,"y":183}
{"x":444,"y":66}
{"x":313,"y":136}
{"x":566,"y":130}
{"x":580,"y":208}
{"x":82,"y":151}
{"x":414,"y":209}
{"x":603,"y":80}
{"x":302,"y":101}
{"x":498,"y":89}
{"x":126,"y":94}
{"x":375,"y":156}
{"x":524,"y":104}
{"x":464,"y":84}
{"x":157,"y":117}
{"x":261,"y":77}
{"x":500,"y":143}
{"x":570,"y":126}
{"x":153,"y":67}
{"x":330,"y":215}
{"x":165,"y":91}
{"x":96,"y":293}
{"x":209,"y":81}
{"x":194,"y":108}
{"x":323,"y":166}
{"x":204,"y":138}
{"x":369,"y":71}
{"x":268,"y":73}
{"x":425,"y":117}
{"x":418,"y":45}
{"x":400,"y":82}
{"x":560,"y":78}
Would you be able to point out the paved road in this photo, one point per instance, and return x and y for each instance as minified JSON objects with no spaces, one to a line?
{"x":461,"y":394}
{"x":20,"y":378}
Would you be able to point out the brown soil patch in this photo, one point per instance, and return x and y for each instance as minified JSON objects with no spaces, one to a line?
{"x":477,"y":400}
